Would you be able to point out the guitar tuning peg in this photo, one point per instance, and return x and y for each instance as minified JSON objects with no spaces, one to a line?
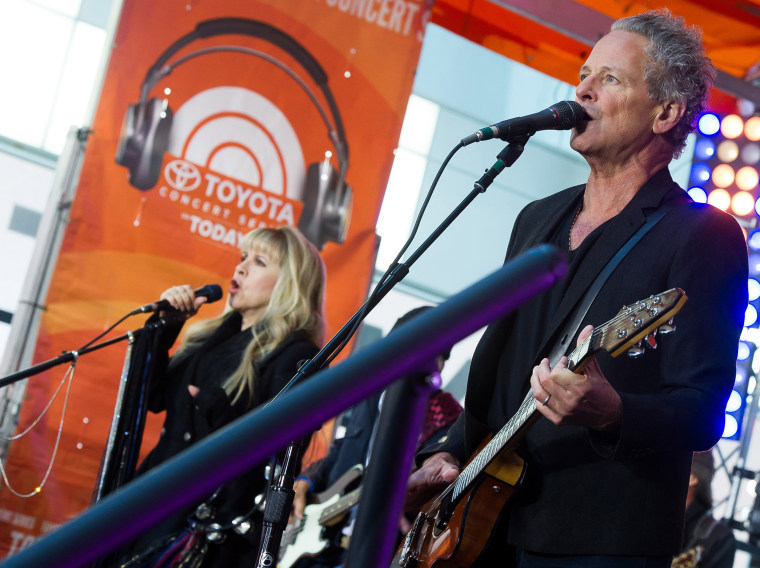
{"x":636,"y":351}
{"x":650,"y":340}
{"x":667,"y":327}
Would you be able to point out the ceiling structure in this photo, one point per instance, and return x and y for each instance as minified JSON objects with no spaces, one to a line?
{"x":556,"y":36}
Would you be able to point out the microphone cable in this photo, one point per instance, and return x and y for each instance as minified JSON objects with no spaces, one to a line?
{"x":395,"y":263}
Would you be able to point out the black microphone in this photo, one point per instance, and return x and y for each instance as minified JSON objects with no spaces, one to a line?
{"x":563,"y":115}
{"x":212,"y":293}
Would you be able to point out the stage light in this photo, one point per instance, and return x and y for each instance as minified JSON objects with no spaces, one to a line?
{"x":750,"y":316}
{"x":704,"y":149}
{"x":743,"y":352}
{"x":753,"y":289}
{"x":752,"y":312}
{"x":730,"y":428}
{"x":750,"y":154}
{"x":732,"y":126}
{"x":734,"y":401}
{"x":741,"y":376}
{"x":754,"y":240}
{"x":719,"y":198}
{"x":752,"y":128}
{"x":737,"y":400}
{"x":700,"y":172}
{"x":746,"y":178}
{"x":709,"y":124}
{"x":742,"y":203}
{"x":754,"y":264}
{"x":723,"y":175}
{"x":728,"y":151}
{"x":698,"y":194}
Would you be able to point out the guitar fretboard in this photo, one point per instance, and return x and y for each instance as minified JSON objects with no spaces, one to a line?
{"x":340,"y":506}
{"x":495,"y":445}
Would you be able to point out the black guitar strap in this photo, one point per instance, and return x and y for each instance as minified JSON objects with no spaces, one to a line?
{"x":560,"y":348}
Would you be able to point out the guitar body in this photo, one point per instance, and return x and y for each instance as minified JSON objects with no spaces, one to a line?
{"x":307,"y":537}
{"x":455,"y":538}
{"x":310,"y":539}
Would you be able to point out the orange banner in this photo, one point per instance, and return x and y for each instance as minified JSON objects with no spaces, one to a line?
{"x":214,"y":118}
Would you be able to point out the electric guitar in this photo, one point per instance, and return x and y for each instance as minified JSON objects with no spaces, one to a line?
{"x":452,"y":529}
{"x":309,"y":536}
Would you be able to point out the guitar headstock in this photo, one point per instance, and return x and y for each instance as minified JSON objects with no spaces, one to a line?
{"x":640,"y":321}
{"x":633,"y":325}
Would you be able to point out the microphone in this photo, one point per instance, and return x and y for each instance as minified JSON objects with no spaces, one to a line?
{"x":212,"y":293}
{"x":563,"y":115}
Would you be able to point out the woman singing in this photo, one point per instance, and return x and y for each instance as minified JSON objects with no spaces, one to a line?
{"x":224,"y":368}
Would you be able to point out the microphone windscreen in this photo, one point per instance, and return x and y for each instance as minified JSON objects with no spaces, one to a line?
{"x":570,"y":113}
{"x":212,"y":292}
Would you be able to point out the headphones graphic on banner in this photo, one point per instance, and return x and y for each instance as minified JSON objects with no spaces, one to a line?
{"x":235,"y":149}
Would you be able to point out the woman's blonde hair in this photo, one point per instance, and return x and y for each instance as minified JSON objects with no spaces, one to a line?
{"x":296,"y":304}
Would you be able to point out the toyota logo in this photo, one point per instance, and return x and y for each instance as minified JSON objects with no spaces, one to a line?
{"x":182,"y":175}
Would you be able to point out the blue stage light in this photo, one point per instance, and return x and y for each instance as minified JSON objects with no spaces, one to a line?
{"x":709,"y":124}
{"x":744,"y":351}
{"x":750,"y":316}
{"x":700,"y":173}
{"x":731,"y":427}
{"x":753,"y":241}
{"x":743,"y":384}
{"x":753,"y":288}
{"x":700,"y":196}
{"x":735,"y":401}
{"x":704,"y":149}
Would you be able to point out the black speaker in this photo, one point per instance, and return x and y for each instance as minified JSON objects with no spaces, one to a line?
{"x":145,"y":131}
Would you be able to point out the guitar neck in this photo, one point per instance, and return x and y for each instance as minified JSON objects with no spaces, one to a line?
{"x":509,"y":435}
{"x":340,"y":507}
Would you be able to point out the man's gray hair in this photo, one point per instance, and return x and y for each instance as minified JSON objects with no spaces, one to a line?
{"x":677,"y":70}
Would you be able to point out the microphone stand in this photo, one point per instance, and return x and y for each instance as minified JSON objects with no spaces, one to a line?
{"x":280,"y":495}
{"x":67,"y":356}
{"x":277,"y":509}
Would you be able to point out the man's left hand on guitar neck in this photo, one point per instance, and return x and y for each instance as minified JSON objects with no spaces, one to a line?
{"x":436,"y":472}
{"x":568,"y":398}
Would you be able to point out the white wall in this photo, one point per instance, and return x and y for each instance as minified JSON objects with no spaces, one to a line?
{"x":24,"y":190}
